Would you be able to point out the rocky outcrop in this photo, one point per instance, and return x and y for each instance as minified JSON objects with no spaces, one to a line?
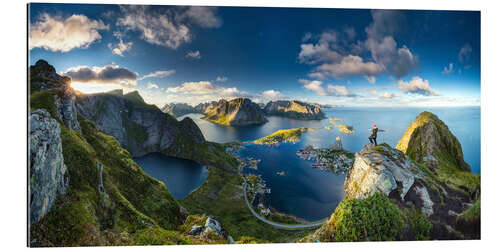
{"x":380,"y":169}
{"x":294,"y":109}
{"x":178,"y":109}
{"x":66,"y":109}
{"x":428,"y":140}
{"x":211,"y":225}
{"x":237,"y":112}
{"x":137,"y":126}
{"x":48,"y":174}
{"x":43,"y":76}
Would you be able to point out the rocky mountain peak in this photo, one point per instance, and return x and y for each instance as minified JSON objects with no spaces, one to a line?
{"x":428,"y":140}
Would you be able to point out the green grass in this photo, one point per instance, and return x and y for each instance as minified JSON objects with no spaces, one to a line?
{"x":85,"y":217}
{"x":375,"y":218}
{"x":419,"y":224}
{"x":220,"y":197}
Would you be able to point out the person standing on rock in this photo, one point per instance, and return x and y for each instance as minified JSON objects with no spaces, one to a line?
{"x":373,"y":137}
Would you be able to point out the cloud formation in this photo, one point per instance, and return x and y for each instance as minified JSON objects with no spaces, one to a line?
{"x":194,"y":54}
{"x":56,"y":33}
{"x":448,"y":69}
{"x":417,"y":86}
{"x":158,"y":74}
{"x":331,"y":90}
{"x":272,"y":95}
{"x":388,"y":95}
{"x":464,"y":53}
{"x":337,"y":55}
{"x":221,"y":79}
{"x":167,"y":27}
{"x":151,"y":85}
{"x":205,"y":17}
{"x":109,"y":74}
{"x":120,"y":47}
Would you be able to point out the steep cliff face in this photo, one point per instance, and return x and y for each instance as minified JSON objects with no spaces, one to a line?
{"x":202,"y":108}
{"x":48,"y":174}
{"x":428,"y":140}
{"x":294,"y":109}
{"x":237,"y":112}
{"x":178,"y":109}
{"x":138,"y":127}
{"x":85,"y":189}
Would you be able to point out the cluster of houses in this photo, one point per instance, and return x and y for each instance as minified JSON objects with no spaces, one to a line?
{"x":333,"y":159}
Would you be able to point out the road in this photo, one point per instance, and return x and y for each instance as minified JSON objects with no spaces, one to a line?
{"x":276,"y":224}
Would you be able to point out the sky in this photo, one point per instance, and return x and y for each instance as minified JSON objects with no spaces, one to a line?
{"x":194,"y":54}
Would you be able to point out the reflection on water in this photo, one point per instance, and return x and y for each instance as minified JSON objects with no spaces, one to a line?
{"x":180,"y":176}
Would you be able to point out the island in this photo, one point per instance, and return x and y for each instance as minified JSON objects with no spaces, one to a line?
{"x":346,"y":129}
{"x":292,"y":135}
{"x":294,"y":109}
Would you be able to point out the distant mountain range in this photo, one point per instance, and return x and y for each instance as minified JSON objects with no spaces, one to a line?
{"x":241,"y":111}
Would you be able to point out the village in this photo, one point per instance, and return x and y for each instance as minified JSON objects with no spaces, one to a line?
{"x":333,"y":159}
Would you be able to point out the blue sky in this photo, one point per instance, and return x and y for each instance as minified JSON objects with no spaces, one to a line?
{"x":198,"y":54}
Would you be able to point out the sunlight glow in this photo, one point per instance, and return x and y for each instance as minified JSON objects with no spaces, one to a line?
{"x":91,"y":88}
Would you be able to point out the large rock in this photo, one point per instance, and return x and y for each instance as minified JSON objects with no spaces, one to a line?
{"x":237,"y":112}
{"x":294,"y":109}
{"x":48,"y":174}
{"x":137,"y":126}
{"x":380,"y":169}
{"x":66,"y":110}
{"x":428,"y":140}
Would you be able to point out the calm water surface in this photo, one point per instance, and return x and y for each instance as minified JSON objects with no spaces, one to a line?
{"x":313,"y":194}
{"x":180,"y":176}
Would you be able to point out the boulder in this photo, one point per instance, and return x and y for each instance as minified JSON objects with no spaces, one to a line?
{"x":48,"y":173}
{"x":212,"y":225}
{"x":380,"y":168}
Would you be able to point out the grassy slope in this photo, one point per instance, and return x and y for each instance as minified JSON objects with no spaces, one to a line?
{"x":137,"y":210}
{"x":219,"y":196}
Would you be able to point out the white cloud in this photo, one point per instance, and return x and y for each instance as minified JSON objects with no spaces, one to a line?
{"x":203,"y":91}
{"x":338,"y":90}
{"x":272,"y":95}
{"x":331,"y":90}
{"x":352,"y":66}
{"x":201,"y":87}
{"x":55,"y":33}
{"x":155,"y":28}
{"x":448,"y":70}
{"x":221,"y":79}
{"x":337,"y":55}
{"x":464,"y":53}
{"x":120,"y":47}
{"x":151,"y":85}
{"x":417,"y":86}
{"x":388,"y":95}
{"x":315,"y":86}
{"x":109,"y":74}
{"x":158,"y":74}
{"x":205,"y":17}
{"x":194,"y":54}
{"x":167,"y":27}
